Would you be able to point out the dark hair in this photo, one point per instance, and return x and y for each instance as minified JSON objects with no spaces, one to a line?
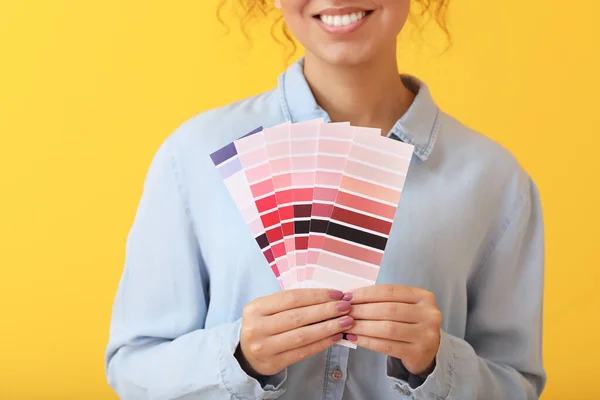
{"x":264,"y":8}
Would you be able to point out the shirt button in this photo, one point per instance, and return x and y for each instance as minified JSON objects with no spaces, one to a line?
{"x":336,"y":375}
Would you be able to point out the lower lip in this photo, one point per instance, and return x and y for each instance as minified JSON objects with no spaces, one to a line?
{"x":343,"y":30}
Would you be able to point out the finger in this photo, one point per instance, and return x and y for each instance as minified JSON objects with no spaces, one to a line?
{"x":400,"y":312}
{"x":308,"y":334}
{"x":384,"y":346}
{"x":389,"y":293}
{"x":298,"y":317}
{"x":293,"y":356}
{"x":391,"y":330}
{"x":289,"y":299}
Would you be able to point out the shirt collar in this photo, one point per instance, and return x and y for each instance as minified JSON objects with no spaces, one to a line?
{"x":419,"y":126}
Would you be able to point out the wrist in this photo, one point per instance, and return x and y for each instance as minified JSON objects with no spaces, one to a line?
{"x":266,"y":381}
{"x":428,"y":371}
{"x":420,"y":372}
{"x":244,"y":364}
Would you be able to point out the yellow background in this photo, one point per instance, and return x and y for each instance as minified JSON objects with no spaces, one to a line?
{"x":88,"y":90}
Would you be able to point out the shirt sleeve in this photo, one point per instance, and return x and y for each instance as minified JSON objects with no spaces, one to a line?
{"x":501,"y":355}
{"x":159,"y":348}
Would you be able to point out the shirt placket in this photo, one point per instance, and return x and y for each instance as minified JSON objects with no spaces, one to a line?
{"x":335,"y":373}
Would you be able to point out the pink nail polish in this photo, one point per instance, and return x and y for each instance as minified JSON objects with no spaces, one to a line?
{"x":351,"y":337}
{"x":337,"y":337}
{"x":347,"y":296}
{"x":336,"y":294}
{"x":346,"y":321}
{"x":343,"y":306}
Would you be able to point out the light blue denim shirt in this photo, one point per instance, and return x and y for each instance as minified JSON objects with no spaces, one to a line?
{"x":468,"y":228}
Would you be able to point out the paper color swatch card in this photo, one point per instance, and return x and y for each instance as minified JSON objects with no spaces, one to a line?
{"x":303,"y":150}
{"x":363,"y":212}
{"x":334,"y":145}
{"x":319,"y":199}
{"x":252,"y":153}
{"x":277,"y":141}
{"x":230,"y":168}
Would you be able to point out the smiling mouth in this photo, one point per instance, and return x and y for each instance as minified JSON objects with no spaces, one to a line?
{"x":342,"y":19}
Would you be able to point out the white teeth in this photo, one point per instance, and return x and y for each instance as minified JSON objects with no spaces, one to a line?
{"x":342,"y":20}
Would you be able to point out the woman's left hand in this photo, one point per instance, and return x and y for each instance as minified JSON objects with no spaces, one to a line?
{"x":399,"y":321}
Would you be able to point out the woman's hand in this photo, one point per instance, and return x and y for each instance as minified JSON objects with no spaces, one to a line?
{"x":289,"y":326}
{"x":399,"y":321}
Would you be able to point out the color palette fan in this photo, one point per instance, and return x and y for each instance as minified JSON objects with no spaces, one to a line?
{"x":319,"y":199}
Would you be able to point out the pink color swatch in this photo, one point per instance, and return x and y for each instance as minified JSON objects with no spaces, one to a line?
{"x":303,"y":150}
{"x":363,"y":212}
{"x":278,"y":154}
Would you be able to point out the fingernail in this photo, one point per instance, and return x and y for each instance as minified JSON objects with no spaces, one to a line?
{"x":343,"y":306}
{"x":346,"y":322}
{"x":347,"y":296}
{"x":338,"y":337}
{"x":351,"y":337}
{"x":336,"y":294}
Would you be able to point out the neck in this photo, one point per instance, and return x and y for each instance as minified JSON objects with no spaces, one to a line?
{"x":370,"y":94}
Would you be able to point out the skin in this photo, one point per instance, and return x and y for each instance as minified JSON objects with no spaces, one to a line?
{"x":398,"y":321}
{"x":353,"y":75}
{"x":289,"y":326}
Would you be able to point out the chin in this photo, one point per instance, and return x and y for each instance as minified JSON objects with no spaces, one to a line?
{"x":345,"y":56}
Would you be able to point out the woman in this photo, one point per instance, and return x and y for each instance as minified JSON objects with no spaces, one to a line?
{"x":457,"y":311}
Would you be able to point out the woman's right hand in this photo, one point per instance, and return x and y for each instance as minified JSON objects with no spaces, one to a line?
{"x":286,"y":327}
